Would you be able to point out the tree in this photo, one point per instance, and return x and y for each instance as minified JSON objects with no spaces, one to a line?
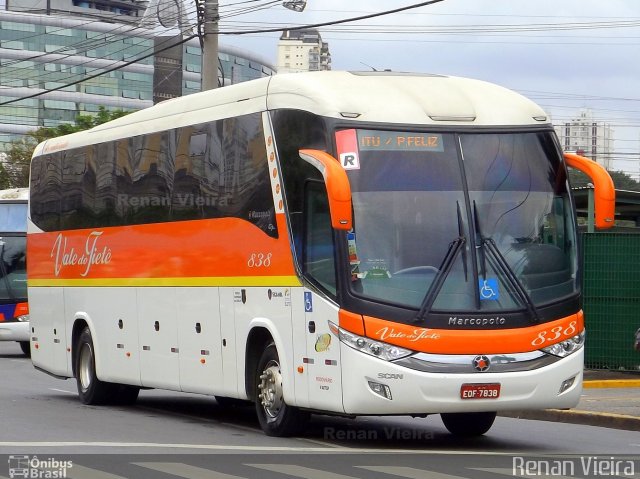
{"x":14,"y":167}
{"x":621,"y":180}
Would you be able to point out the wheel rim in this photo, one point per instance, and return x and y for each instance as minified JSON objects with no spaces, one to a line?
{"x":85,"y":367}
{"x":270,"y":387}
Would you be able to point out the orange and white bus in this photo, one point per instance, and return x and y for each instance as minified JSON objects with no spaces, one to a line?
{"x":332,"y":242}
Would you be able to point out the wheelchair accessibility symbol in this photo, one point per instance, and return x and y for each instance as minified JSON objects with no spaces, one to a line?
{"x":489,"y":289}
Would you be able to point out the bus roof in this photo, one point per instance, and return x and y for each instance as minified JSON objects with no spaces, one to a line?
{"x":13,"y":194}
{"x":381,"y":97}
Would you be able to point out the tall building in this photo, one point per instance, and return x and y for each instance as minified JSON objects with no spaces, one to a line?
{"x":51,"y":46}
{"x":585,"y":136}
{"x":303,"y":51}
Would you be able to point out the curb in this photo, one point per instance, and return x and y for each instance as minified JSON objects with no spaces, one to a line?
{"x":573,"y":416}
{"x":611,"y":383}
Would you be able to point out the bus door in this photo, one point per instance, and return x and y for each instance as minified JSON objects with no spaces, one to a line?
{"x":318,"y":263}
{"x":323,"y":354}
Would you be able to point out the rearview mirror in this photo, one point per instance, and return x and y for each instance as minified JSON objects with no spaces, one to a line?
{"x":338,"y":188}
{"x":604,"y":190}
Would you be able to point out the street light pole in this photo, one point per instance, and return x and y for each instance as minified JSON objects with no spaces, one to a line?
{"x":209,"y":72}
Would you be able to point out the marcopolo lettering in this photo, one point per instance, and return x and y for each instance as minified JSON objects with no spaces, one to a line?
{"x":497,"y":321}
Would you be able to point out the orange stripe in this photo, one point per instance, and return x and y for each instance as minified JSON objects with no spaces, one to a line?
{"x":351,"y":322}
{"x":485,"y":341}
{"x":222,"y":247}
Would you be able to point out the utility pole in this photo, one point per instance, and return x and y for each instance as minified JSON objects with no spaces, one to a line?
{"x":209,"y":17}
{"x":209,"y":74}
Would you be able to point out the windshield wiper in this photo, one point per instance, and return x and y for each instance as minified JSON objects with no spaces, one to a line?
{"x":447,"y":263}
{"x":461,"y":235}
{"x":487,"y":245}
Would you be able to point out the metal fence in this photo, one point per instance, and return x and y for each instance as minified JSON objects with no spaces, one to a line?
{"x":611,"y":282}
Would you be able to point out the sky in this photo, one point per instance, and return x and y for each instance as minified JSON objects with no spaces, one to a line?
{"x":564,"y":54}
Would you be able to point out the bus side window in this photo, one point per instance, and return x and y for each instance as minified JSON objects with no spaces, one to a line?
{"x":319,"y":258}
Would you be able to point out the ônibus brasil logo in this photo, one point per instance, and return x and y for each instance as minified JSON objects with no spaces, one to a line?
{"x":23,"y":466}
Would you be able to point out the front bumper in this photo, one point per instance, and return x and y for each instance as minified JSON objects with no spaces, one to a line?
{"x":14,"y":331}
{"x":418,"y":392}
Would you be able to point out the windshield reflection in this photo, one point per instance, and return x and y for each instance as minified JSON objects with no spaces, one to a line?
{"x":410,"y":202}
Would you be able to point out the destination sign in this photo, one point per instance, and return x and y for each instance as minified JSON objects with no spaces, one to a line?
{"x":369,"y":140}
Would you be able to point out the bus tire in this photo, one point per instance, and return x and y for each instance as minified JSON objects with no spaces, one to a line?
{"x":468,"y":424}
{"x":276,"y":417}
{"x":90,"y":389}
{"x":26,"y":348}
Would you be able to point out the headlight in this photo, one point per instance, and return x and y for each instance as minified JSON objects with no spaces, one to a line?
{"x":24,"y":318}
{"x":385,"y":351}
{"x":567,"y":347}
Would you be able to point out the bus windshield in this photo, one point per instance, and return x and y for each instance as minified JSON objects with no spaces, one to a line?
{"x":13,"y":249}
{"x":13,"y":268}
{"x":459,"y":222}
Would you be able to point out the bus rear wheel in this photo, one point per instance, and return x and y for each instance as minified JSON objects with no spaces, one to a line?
{"x":276,"y":417}
{"x":90,"y":389}
{"x":468,"y":424}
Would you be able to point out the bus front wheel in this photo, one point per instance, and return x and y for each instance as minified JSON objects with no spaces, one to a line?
{"x":90,"y":389}
{"x":276,"y":417}
{"x":468,"y":424}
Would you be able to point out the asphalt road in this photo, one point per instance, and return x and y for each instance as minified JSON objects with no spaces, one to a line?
{"x":171,"y":434}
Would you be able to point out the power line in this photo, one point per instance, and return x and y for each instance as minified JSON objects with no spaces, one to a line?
{"x":98,"y":74}
{"x":334,"y":22}
{"x":89,"y":43}
{"x":90,"y":60}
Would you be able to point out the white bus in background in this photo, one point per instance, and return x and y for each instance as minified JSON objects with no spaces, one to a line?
{"x":333,"y":242}
{"x":14,"y":309}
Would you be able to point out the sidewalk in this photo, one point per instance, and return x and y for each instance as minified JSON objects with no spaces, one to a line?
{"x":609,"y":399}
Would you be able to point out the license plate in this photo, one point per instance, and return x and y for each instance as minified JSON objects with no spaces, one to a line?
{"x":480,"y":391}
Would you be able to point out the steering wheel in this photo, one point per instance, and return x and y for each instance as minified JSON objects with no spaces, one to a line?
{"x":418,"y":270}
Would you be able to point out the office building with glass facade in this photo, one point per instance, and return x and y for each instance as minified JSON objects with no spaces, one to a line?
{"x":83,"y":55}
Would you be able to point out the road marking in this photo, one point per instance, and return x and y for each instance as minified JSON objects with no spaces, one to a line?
{"x":62,"y":391}
{"x":185,"y":470}
{"x":300,"y":471}
{"x":409,"y":472}
{"x":322,"y":443}
{"x":511,"y":472}
{"x":221,"y":447}
{"x":611,"y":383}
{"x":80,"y":472}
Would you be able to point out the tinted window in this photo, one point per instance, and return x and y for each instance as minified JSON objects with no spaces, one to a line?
{"x":13,"y":268}
{"x":295,"y":130}
{"x":319,"y":262}
{"x":13,"y":217}
{"x":211,"y":170}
